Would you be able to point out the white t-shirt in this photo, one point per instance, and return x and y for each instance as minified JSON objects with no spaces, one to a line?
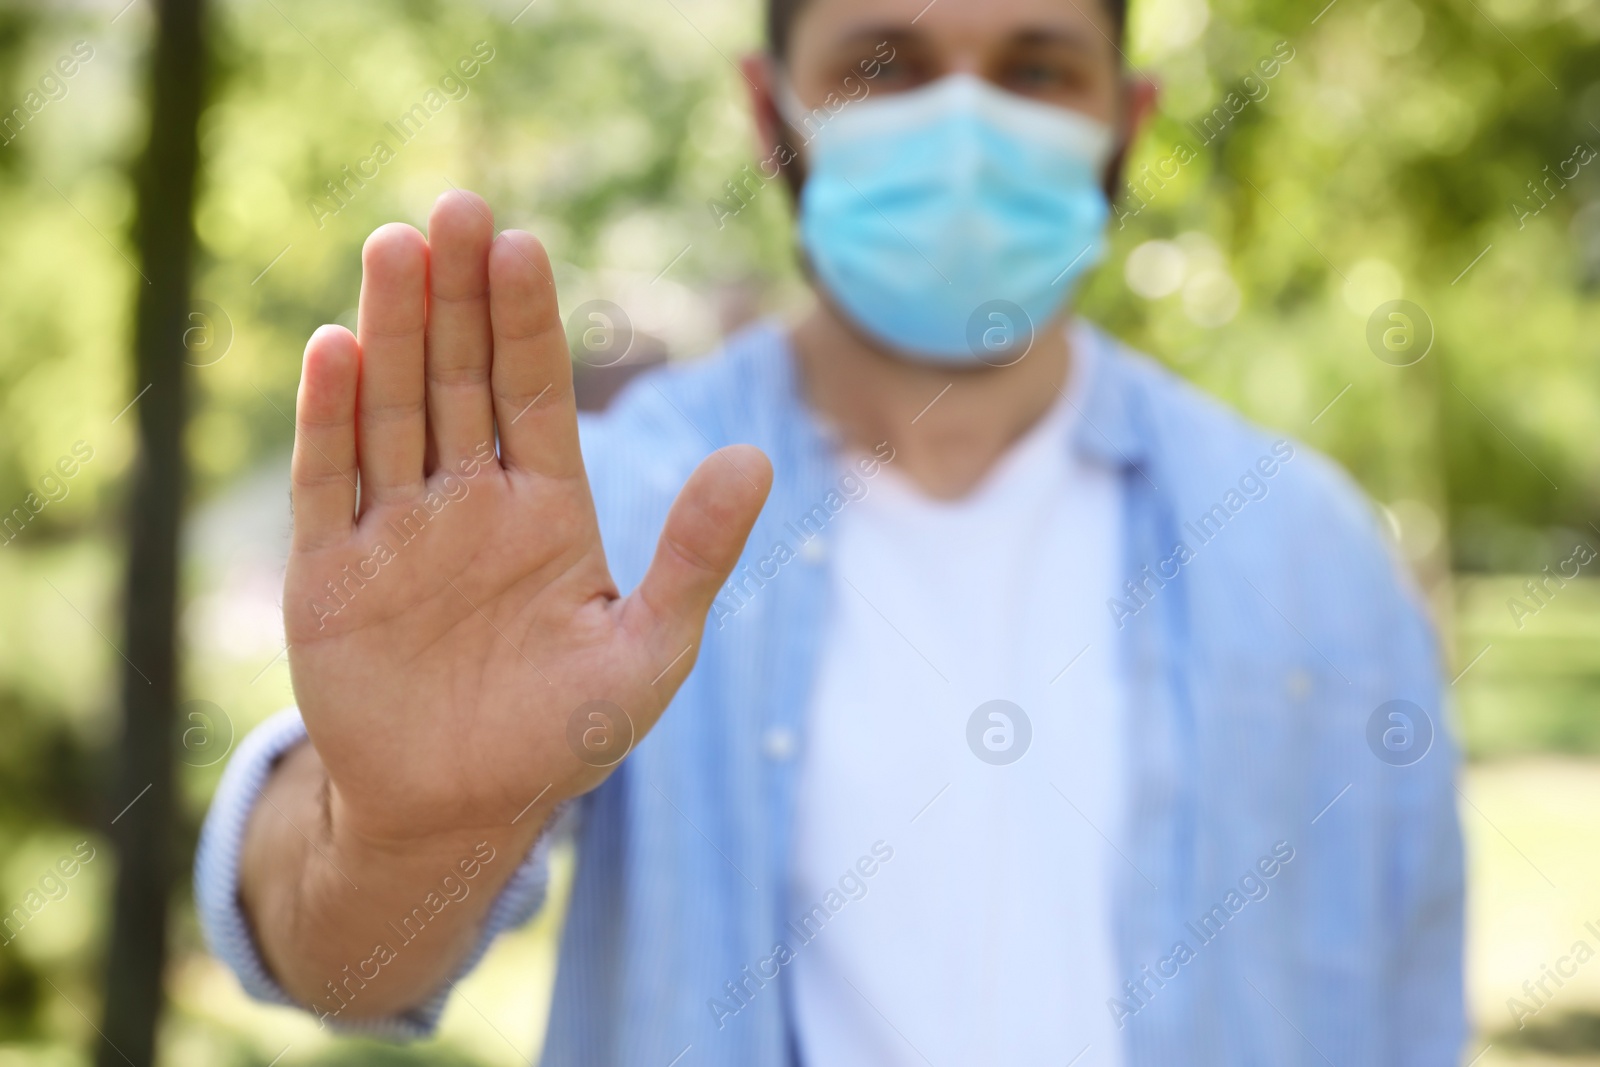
{"x":946,"y":907}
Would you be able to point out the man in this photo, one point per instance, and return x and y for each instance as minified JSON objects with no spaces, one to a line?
{"x":1047,"y":712}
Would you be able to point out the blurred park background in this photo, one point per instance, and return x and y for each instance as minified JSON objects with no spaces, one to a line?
{"x":1441,"y":152}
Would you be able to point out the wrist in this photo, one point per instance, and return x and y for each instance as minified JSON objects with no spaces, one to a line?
{"x":423,"y":898}
{"x":469,"y":851}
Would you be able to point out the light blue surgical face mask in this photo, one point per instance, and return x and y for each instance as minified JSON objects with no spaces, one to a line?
{"x":952,"y":221}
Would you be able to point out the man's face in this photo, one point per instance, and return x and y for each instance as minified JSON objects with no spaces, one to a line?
{"x":1057,"y":51}
{"x":1037,"y":210}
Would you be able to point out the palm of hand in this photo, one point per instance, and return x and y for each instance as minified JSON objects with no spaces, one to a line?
{"x":449,"y":639}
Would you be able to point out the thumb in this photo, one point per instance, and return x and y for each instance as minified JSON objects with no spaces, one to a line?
{"x":701,"y":541}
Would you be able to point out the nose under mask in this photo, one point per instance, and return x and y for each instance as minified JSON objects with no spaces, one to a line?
{"x":952,"y":221}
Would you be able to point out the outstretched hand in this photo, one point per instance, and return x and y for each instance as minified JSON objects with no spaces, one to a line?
{"x":457,"y":645}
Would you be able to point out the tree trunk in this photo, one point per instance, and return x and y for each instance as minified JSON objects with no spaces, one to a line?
{"x":142,"y":834}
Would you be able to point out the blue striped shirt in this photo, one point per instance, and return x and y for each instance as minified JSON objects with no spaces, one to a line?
{"x":1293,"y":886}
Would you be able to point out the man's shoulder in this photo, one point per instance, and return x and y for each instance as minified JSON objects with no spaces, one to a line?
{"x":1272,"y":531}
{"x":1201,"y":452}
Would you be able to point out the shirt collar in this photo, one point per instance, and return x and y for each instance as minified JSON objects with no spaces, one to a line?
{"x":1109,"y":427}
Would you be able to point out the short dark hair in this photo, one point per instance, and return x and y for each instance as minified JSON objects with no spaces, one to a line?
{"x":781,"y":15}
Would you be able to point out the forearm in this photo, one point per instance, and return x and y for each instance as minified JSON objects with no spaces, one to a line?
{"x":356,"y":929}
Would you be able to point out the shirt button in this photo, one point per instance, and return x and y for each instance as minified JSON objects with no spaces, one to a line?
{"x":813,"y":550}
{"x":778,"y":743}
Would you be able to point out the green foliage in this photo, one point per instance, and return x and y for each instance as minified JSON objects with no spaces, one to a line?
{"x":1381,"y":161}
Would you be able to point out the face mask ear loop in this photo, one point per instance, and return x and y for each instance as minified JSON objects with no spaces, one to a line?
{"x":783,"y":99}
{"x":790,"y":109}
{"x":793,"y":113}
{"x":1119,"y":152}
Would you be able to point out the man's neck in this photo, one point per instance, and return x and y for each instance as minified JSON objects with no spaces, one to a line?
{"x":947,"y":425}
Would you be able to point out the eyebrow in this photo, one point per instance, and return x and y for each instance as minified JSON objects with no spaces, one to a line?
{"x":1057,"y":36}
{"x":1030,"y":36}
{"x":876,"y":34}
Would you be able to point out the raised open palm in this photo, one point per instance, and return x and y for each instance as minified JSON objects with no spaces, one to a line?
{"x":457,"y":645}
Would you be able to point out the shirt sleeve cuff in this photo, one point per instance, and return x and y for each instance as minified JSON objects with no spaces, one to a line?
{"x":227,"y":931}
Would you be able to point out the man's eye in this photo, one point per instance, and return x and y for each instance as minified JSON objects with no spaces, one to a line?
{"x":1037,"y":76}
{"x":1050,"y":76}
{"x":895,"y":70}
